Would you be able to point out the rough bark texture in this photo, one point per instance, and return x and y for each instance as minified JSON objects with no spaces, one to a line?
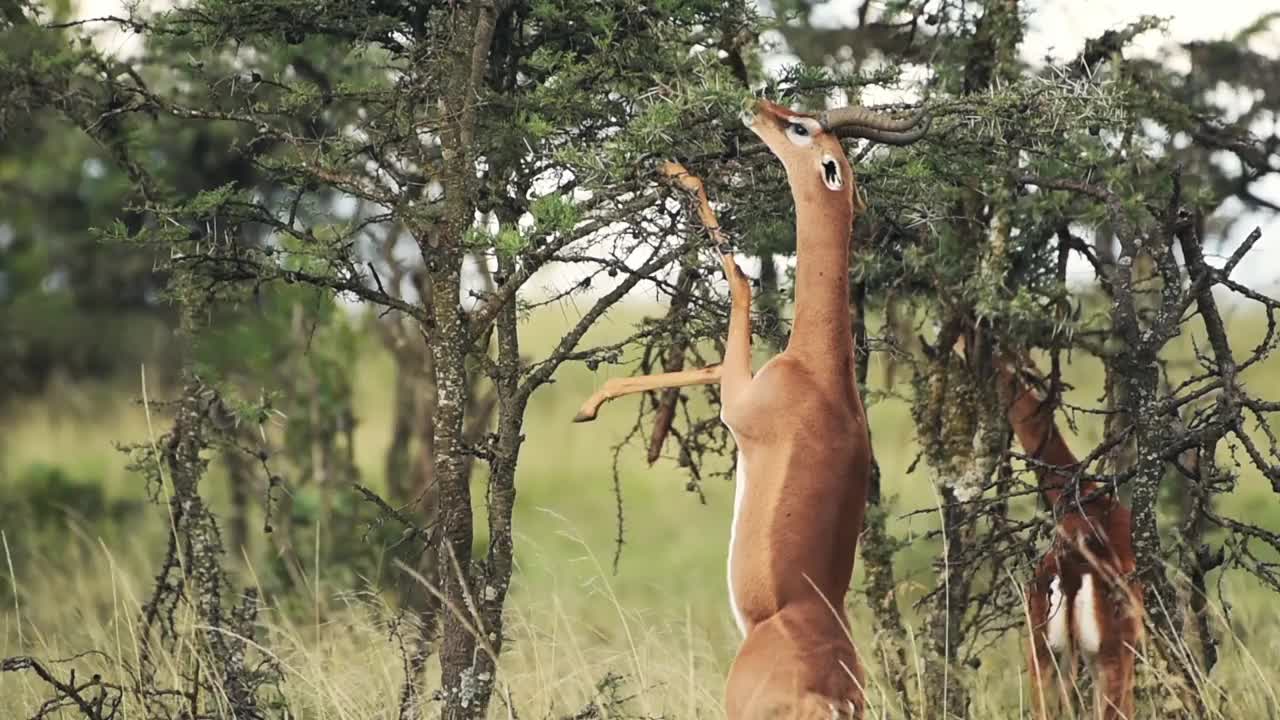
{"x":1142,"y":323}
{"x":463,"y":694}
{"x":965,"y":432}
{"x":1137,"y":380}
{"x":192,"y":572}
{"x":963,"y":428}
{"x":495,"y":580}
{"x":448,"y":349}
{"x":946,"y":412}
{"x":1200,"y":465}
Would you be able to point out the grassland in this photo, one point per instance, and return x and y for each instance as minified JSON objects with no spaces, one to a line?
{"x":661,"y":620}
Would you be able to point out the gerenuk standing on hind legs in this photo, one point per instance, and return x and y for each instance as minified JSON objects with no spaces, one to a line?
{"x":803,"y":449}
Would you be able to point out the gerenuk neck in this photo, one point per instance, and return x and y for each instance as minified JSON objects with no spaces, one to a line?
{"x":821,"y":332}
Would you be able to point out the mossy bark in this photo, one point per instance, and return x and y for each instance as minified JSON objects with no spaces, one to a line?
{"x":463,"y":694}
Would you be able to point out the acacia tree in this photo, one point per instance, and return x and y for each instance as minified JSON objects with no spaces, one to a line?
{"x":520,"y":133}
{"x":985,"y":252}
{"x":383,"y":136}
{"x":1026,"y":169}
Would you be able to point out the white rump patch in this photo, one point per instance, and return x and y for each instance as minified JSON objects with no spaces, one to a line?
{"x":1088,"y":631}
{"x":1057,"y":616}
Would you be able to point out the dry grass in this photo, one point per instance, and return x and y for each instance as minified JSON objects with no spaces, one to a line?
{"x":661,"y":621}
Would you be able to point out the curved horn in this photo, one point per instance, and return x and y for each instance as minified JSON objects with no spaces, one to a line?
{"x":860,"y":122}
{"x":888,"y":137}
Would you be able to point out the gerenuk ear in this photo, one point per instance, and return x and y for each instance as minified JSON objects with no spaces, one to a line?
{"x":831,"y":175}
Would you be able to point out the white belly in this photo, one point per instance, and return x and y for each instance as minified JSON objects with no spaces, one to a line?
{"x":739,"y":493}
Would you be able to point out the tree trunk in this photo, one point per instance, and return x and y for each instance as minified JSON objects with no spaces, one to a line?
{"x":424,"y":502}
{"x":946,"y":420}
{"x":946,"y":693}
{"x":495,"y":580}
{"x":1142,"y":323}
{"x":897,"y":330}
{"x":1195,"y":558}
{"x":464,"y":695}
{"x":677,"y":346}
{"x":239,"y":480}
{"x":449,"y":467}
{"x":878,"y":547}
{"x":405,"y":400}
